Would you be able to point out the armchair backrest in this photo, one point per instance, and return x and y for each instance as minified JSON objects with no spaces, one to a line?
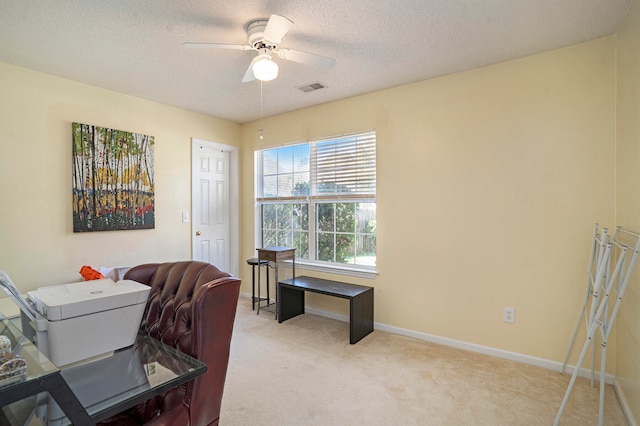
{"x":191,"y":307}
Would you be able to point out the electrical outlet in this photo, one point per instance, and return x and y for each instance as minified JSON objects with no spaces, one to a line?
{"x":509,"y":315}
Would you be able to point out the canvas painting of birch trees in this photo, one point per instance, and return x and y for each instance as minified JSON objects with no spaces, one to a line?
{"x":113,"y":185}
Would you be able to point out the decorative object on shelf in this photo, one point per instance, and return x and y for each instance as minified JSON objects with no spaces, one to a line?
{"x":15,"y":366}
{"x":5,"y":348}
{"x":113,"y":179}
{"x":12,"y":367}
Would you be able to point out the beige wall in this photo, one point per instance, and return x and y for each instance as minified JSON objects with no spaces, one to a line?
{"x":37,"y":243}
{"x":489,"y":184}
{"x":628,"y":204}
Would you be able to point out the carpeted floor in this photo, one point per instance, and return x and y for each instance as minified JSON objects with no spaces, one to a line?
{"x":305,"y":372}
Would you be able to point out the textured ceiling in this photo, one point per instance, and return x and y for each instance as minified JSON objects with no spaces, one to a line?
{"x":135,"y":46}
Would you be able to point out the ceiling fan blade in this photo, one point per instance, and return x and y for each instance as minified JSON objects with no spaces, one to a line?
{"x":276,"y":28}
{"x":248,"y":76}
{"x":307,"y":58}
{"x":217,"y":46}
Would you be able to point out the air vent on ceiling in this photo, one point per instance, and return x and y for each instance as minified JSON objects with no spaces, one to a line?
{"x":311,"y":87}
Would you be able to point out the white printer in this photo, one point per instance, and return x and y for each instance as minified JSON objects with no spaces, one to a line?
{"x":84,"y":320}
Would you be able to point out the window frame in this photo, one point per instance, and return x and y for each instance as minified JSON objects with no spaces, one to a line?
{"x":365,"y":271}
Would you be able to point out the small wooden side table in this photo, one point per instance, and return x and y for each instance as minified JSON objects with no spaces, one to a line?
{"x":275,"y":255}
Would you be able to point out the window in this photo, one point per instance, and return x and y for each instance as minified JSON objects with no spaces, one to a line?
{"x":320,"y":197}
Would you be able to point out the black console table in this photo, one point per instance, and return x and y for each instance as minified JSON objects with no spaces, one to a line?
{"x":360,"y":297}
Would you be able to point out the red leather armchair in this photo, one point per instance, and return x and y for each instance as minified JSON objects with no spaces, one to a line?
{"x":191,"y":307}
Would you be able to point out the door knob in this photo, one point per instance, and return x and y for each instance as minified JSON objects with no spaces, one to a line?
{"x":197,"y":233}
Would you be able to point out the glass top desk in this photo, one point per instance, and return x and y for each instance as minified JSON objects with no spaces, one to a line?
{"x":94,"y":391}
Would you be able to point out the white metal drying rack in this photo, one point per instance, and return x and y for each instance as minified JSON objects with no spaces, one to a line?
{"x":603,"y":283}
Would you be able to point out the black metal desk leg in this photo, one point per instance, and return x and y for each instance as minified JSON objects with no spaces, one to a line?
{"x":253,"y":286}
{"x":259,"y":285}
{"x":58,"y":389}
{"x":277,"y":291}
{"x":267,"y":272}
{"x":67,"y":400}
{"x":259,"y":299}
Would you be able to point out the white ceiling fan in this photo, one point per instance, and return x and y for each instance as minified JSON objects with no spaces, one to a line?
{"x":264,"y":37}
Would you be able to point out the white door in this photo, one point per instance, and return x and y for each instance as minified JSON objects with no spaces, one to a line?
{"x":210,"y":205}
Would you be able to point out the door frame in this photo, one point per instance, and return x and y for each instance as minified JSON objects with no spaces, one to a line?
{"x":234,"y":199}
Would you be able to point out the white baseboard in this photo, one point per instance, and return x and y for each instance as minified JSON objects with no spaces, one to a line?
{"x":624,"y":403}
{"x":500,"y":353}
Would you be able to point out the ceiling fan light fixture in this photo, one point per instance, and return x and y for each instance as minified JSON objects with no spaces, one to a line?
{"x":265,"y":69}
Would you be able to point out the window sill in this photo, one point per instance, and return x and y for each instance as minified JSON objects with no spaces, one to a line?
{"x":352,"y":271}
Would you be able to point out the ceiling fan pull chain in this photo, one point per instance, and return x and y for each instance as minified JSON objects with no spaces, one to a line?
{"x":261,"y":129}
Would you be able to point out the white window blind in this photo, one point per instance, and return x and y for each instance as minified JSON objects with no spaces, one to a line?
{"x":344,"y":167}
